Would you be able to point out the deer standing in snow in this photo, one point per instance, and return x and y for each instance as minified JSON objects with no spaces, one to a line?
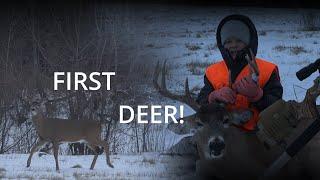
{"x":57,"y":131}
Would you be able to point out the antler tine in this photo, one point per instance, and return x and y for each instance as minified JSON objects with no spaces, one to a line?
{"x":191,"y":101}
{"x":253,"y":63}
{"x":186,"y":88}
{"x":156,"y":76}
{"x":163,"y":77}
{"x":186,"y":98}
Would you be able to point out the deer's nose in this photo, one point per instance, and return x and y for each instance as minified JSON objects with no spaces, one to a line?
{"x":216,"y":145}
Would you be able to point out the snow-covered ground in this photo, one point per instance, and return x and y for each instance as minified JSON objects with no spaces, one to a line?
{"x":144,"y":166}
{"x":185,"y":37}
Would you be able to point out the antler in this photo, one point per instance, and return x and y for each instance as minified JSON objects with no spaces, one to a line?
{"x":254,"y":70}
{"x":186,"y":98}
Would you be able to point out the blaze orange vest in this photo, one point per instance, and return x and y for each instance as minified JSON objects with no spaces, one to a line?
{"x":218,"y":76}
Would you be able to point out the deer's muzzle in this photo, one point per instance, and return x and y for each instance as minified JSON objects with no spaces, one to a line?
{"x":216,"y":146}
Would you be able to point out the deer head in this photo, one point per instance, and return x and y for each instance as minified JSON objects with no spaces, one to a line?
{"x":33,"y":105}
{"x":210,"y":125}
{"x":36,"y":106}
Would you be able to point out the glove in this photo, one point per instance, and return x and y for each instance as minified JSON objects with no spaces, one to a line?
{"x":225,"y":94}
{"x":247,"y":87}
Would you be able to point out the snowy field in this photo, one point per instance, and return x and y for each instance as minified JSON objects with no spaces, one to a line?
{"x":145,"y":166}
{"x":185,"y":37}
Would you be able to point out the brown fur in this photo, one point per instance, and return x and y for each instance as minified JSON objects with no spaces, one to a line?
{"x":57,"y":131}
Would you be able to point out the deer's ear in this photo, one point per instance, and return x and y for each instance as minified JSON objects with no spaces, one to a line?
{"x":240,"y":117}
{"x":191,"y":123}
{"x":197,"y":125}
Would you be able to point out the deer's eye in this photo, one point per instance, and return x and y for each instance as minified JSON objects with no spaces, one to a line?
{"x":193,"y":131}
{"x":225,"y":122}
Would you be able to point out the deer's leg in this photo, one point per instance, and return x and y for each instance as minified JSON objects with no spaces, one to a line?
{"x":93,"y":148}
{"x":55,"y":154}
{"x":106,"y":149}
{"x":33,"y":149}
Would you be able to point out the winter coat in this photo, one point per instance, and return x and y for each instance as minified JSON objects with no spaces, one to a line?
{"x":272,"y":90}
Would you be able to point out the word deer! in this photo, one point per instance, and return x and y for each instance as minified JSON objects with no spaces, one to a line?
{"x":57,"y":131}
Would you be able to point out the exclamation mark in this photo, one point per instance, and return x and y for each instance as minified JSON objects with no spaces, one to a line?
{"x":181,"y":115}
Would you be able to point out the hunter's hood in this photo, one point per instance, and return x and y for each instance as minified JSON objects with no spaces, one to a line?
{"x":240,"y":26}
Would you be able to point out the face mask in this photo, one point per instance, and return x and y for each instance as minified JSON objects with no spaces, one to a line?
{"x":241,"y":55}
